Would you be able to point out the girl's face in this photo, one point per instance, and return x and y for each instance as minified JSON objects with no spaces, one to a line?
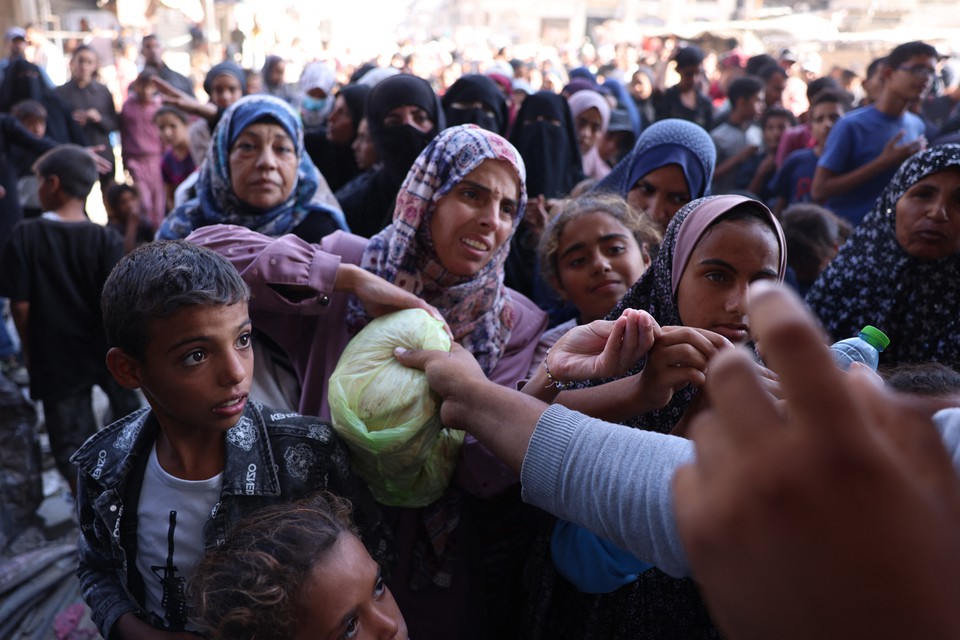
{"x":475,"y":219}
{"x":340,"y":129}
{"x":660,"y":194}
{"x":598,"y":260}
{"x":345,"y":597}
{"x":589,"y":125}
{"x":173,"y":130}
{"x":731,"y":255}
{"x":225,"y":90}
{"x":363,"y":150}
{"x":928,"y":216}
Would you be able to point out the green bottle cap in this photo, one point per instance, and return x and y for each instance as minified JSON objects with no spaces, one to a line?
{"x":876,"y":338}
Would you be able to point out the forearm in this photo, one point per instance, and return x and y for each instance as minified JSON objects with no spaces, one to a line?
{"x":727,"y":166}
{"x":761,"y":177}
{"x":828,"y":184}
{"x":614,"y":401}
{"x":614,"y":480}
{"x":285,"y":274}
{"x":501,"y":419}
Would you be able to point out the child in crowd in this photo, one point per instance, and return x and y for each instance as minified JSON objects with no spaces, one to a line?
{"x":295,"y":570}
{"x":754,"y":174}
{"x":172,"y":480}
{"x":739,"y":138}
{"x":33,"y":116}
{"x":142,"y":148}
{"x":53,"y":269}
{"x":592,"y":252}
{"x":125,"y":216}
{"x":177,"y":162}
{"x":814,"y":236}
{"x":792,"y":182}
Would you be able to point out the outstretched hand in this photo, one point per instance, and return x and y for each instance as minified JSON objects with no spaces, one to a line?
{"x":603,"y":348}
{"x":835,"y":518}
{"x":174,"y":97}
{"x":452,"y":375}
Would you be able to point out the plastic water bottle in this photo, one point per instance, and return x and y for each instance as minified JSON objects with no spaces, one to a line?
{"x":865,"y":348}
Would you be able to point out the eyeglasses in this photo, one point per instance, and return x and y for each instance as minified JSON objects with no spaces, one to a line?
{"x":919,"y":71}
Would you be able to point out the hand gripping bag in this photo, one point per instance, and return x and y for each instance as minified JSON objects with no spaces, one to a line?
{"x":387,"y":414}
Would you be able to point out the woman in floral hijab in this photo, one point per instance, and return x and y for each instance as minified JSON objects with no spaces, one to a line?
{"x":900,"y":271}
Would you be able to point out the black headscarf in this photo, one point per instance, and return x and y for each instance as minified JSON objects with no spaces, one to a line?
{"x":355,"y":96}
{"x":23,"y":81}
{"x":550,"y":151}
{"x":476,"y":88}
{"x":337,"y":162}
{"x":399,"y":146}
{"x":370,"y":210}
{"x":552,"y":156}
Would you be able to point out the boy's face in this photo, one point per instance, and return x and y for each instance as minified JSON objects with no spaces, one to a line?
{"x":911,"y":79}
{"x":82,"y":66}
{"x":48,"y":192}
{"x":172,"y":129}
{"x":36,"y":126}
{"x":822,"y":118}
{"x":197,"y":369}
{"x":127,"y":204}
{"x":751,"y":107}
{"x":773,"y":130}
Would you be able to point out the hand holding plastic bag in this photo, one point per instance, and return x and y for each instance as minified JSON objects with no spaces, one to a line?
{"x":387,"y":414}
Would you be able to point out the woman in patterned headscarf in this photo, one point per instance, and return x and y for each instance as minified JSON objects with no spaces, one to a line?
{"x":456,"y":211}
{"x":713,"y":249}
{"x":671,"y":164}
{"x":901,"y":268}
{"x":300,"y":201}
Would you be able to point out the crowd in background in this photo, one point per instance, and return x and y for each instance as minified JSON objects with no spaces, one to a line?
{"x":623,"y":177}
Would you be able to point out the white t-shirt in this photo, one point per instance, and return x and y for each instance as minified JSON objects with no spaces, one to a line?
{"x":171,"y":515}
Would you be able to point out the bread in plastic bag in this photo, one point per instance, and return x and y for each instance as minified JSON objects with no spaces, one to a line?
{"x":387,"y":414}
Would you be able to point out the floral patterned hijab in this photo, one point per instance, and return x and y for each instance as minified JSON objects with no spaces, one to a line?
{"x":216,"y":203}
{"x":477,"y":308}
{"x":874,"y":281}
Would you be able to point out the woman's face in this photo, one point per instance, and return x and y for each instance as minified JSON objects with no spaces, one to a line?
{"x":598,"y":260}
{"x":263,"y":165}
{"x":660,"y":194}
{"x":363,"y":150}
{"x":225,"y":90}
{"x":275,"y":76}
{"x":928,"y":216}
{"x":589,"y":125}
{"x":409,"y":114}
{"x":475,"y":218}
{"x":345,"y":597}
{"x":731,"y":255}
{"x":340,"y":123}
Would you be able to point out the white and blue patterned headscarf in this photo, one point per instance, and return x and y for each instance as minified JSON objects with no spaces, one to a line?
{"x":477,"y":308}
{"x":216,"y":202}
{"x":873,"y":280}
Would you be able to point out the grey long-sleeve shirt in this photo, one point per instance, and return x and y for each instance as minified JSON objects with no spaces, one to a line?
{"x":617,"y":481}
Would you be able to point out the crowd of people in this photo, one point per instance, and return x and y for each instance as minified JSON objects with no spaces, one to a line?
{"x":595,"y":243}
